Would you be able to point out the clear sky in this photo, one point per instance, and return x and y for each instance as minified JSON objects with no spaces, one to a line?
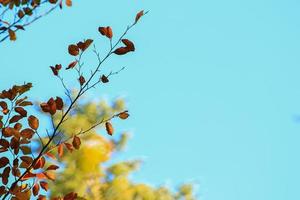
{"x":213,"y":88}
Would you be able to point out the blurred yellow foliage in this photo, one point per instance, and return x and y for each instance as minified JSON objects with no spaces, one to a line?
{"x":84,"y":172}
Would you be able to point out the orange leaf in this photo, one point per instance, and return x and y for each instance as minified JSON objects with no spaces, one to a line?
{"x":124,"y":115}
{"x":60,"y":150}
{"x":109,"y":128}
{"x":33,"y":122}
{"x":44,"y":185}
{"x":35,"y":189}
{"x":27,"y":176}
{"x":21,"y":111}
{"x":12,"y":35}
{"x":69,"y":3}
{"x":40,"y":163}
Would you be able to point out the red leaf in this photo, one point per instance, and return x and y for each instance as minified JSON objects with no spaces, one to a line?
{"x":55,"y":71}
{"x":128,"y":44}
{"x":59,"y":103}
{"x":72,"y":65}
{"x":81,"y":80}
{"x":139,"y":15}
{"x":121,"y":51}
{"x":73,"y":50}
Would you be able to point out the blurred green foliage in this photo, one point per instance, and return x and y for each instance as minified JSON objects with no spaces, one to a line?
{"x":84,"y":170}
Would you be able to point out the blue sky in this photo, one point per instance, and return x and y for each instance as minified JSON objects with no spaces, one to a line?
{"x":213,"y":88}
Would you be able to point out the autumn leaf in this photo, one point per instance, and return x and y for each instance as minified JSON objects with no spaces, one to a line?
{"x":72,"y":65}
{"x":121,"y":50}
{"x":12,"y":35}
{"x":33,"y":122}
{"x":106,"y":31}
{"x":109,"y":128}
{"x":124,"y":115}
{"x":52,"y":167}
{"x":128,"y":44}
{"x":81,"y":80}
{"x":21,"y":111}
{"x":60,"y":150}
{"x":139,"y":15}
{"x":104,"y":79}
{"x":35,"y":189}
{"x":69,"y":3}
{"x":73,"y":50}
{"x":3,"y":162}
{"x":76,"y":142}
{"x":59,"y":103}
{"x":44,"y":185}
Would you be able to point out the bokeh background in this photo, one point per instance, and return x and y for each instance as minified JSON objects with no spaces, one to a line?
{"x":213,"y":88}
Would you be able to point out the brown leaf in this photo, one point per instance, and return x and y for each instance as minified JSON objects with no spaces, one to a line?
{"x":20,"y":27}
{"x":3,"y":162}
{"x":73,"y":50}
{"x":27,"y":133}
{"x":84,"y":45}
{"x":50,"y":175}
{"x":124,"y":115}
{"x":5,"y":175}
{"x":72,"y":65}
{"x":59,"y":103}
{"x":121,"y":50}
{"x":15,"y":118}
{"x":26,"y":150}
{"x":55,"y":71}
{"x":4,"y":143}
{"x":12,"y":35}
{"x":104,"y":79}
{"x":40,"y":163}
{"x":139,"y":15}
{"x":69,"y":146}
{"x":27,"y":159}
{"x":21,"y":111}
{"x":35,"y":189}
{"x":26,"y":103}
{"x":33,"y":122}
{"x":76,"y":142}
{"x":81,"y":80}
{"x":44,"y":185}
{"x":52,"y":167}
{"x":128,"y":44}
{"x":106,"y":31}
{"x":42,"y":197}
{"x":70,"y":196}
{"x":109,"y":128}
{"x":27,"y":176}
